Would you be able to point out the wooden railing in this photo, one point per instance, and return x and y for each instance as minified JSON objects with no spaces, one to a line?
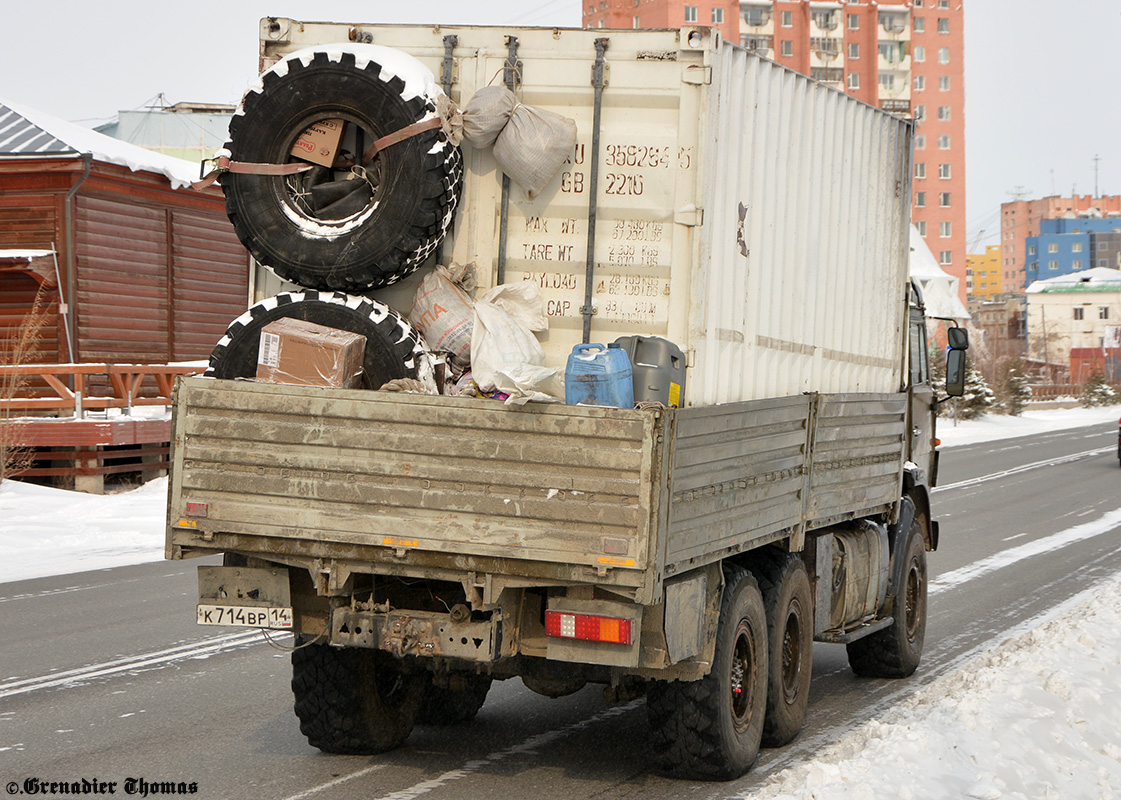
{"x":72,"y":384}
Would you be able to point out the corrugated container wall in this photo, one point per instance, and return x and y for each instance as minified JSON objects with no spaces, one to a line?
{"x":757,"y":219}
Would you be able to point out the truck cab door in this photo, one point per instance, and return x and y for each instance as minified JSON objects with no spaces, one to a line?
{"x":921,"y":439}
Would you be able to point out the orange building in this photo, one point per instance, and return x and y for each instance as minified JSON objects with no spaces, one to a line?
{"x":904,"y":56}
{"x":1020,"y":219}
{"x":985,"y":280}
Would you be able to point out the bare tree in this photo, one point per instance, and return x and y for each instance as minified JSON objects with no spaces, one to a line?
{"x":18,"y":345}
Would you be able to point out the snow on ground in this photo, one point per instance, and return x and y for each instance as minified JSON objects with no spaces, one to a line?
{"x":1035,"y":717}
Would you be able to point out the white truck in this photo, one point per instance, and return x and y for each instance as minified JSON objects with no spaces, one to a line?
{"x":420,"y":546}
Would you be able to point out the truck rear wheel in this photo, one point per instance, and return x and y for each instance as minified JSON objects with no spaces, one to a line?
{"x":786,"y":598}
{"x":711,"y":729}
{"x":895,"y":651}
{"x":346,"y":226}
{"x":394,"y":349}
{"x":447,"y":705}
{"x":352,"y":700}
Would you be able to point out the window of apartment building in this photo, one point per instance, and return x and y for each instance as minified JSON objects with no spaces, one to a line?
{"x":920,"y":169}
{"x":944,"y":142}
{"x":854,"y":50}
{"x":786,"y":19}
{"x":854,"y":22}
{"x":854,"y":80}
{"x":920,"y":112}
{"x":921,"y":227}
{"x":919,"y":24}
{"x":1052,"y":248}
{"x":887,"y":81}
{"x":943,"y":113}
{"x":944,"y":171}
{"x":920,"y":199}
{"x":943,"y":55}
{"x":717,"y":16}
{"x":690,"y":13}
{"x":1103,"y":262}
{"x":756,"y":16}
{"x":943,"y":3}
{"x":602,"y":23}
{"x":944,"y":83}
{"x":1031,"y":250}
{"x":943,"y":25}
{"x":945,"y":257}
{"x":1078,"y":313}
{"x":634,"y":22}
{"x":920,"y":83}
{"x":944,"y":230}
{"x":1103,"y":312}
{"x":1076,"y":264}
{"x":920,"y":141}
{"x":920,"y":53}
{"x":1052,"y":264}
{"x":944,"y":199}
{"x":787,"y":48}
{"x":1076,"y":247}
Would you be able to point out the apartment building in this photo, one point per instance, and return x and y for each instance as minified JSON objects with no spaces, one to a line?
{"x":905,"y":57}
{"x":984,"y":275}
{"x":1023,"y":219}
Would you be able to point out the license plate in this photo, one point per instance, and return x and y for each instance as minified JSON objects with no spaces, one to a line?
{"x":245,"y":616}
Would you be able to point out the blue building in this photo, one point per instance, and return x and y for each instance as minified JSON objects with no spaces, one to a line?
{"x":1068,"y":245}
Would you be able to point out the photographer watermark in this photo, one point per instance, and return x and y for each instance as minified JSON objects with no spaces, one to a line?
{"x":137,"y":787}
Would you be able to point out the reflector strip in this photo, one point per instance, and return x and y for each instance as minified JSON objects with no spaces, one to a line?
{"x":588,"y":627}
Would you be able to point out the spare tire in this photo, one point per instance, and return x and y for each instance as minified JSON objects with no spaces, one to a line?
{"x":394,"y":349}
{"x":349,"y":226}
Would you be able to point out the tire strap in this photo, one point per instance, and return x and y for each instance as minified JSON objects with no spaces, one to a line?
{"x":407,"y":132}
{"x":222,"y":164}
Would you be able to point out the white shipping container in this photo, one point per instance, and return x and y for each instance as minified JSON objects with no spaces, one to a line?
{"x":757,"y":219}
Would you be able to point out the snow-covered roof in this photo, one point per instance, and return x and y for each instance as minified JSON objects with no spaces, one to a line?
{"x":29,"y":132}
{"x":24,"y":255}
{"x":939,"y":290}
{"x":1097,"y":279}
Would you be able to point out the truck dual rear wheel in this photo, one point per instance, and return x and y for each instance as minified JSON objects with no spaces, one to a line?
{"x":786,"y":597}
{"x":895,"y":652}
{"x":352,"y":700}
{"x":711,"y":729}
{"x":348,"y":226}
{"x":448,"y":705}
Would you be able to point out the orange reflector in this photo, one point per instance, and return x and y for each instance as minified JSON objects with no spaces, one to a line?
{"x":198,"y":509}
{"x":588,"y":627}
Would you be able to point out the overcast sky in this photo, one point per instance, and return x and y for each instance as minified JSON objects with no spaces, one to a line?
{"x":1042,"y":76}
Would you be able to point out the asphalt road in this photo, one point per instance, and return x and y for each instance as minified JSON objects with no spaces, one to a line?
{"x":104,"y":677}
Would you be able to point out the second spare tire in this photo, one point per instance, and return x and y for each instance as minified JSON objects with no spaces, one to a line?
{"x":347,"y":223}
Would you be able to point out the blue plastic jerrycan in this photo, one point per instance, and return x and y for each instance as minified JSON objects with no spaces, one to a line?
{"x":598,"y":375}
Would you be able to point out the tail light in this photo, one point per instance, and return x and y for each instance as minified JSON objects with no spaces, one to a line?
{"x":588,"y":627}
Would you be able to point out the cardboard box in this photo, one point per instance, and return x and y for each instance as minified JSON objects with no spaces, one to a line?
{"x":320,"y":141}
{"x":307,"y":354}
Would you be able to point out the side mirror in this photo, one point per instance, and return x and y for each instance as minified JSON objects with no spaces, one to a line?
{"x":957,"y":338}
{"x":955,"y":372}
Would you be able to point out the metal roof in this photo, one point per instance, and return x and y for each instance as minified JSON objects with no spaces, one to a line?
{"x":21,"y":136}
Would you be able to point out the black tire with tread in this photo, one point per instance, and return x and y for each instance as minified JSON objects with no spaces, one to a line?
{"x":895,"y":652}
{"x":443,"y":706}
{"x":705,"y":730}
{"x":410,"y":205}
{"x":789,"y":605}
{"x":353,"y":700}
{"x":394,"y":349}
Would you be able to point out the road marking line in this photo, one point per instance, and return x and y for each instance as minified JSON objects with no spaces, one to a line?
{"x":193,"y":650}
{"x":1025,"y":468}
{"x":1056,"y":541}
{"x":335,"y":782}
{"x":1010,"y":538}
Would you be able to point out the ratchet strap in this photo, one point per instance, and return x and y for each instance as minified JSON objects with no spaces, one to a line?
{"x":223,"y":164}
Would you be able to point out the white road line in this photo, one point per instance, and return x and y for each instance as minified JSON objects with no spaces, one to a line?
{"x":1017,"y":536}
{"x":193,"y":650}
{"x":330,"y":784}
{"x":1108,"y":523}
{"x":1025,"y":468}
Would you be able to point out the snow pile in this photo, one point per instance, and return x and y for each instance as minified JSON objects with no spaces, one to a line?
{"x":992,"y":426}
{"x":1034,"y":718}
{"x":45,"y":531}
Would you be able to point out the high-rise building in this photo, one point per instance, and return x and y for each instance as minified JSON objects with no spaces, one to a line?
{"x":904,"y":56}
{"x":984,"y":274}
{"x":1023,"y":219}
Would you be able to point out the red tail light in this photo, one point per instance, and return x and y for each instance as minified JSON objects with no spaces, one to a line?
{"x":588,"y":627}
